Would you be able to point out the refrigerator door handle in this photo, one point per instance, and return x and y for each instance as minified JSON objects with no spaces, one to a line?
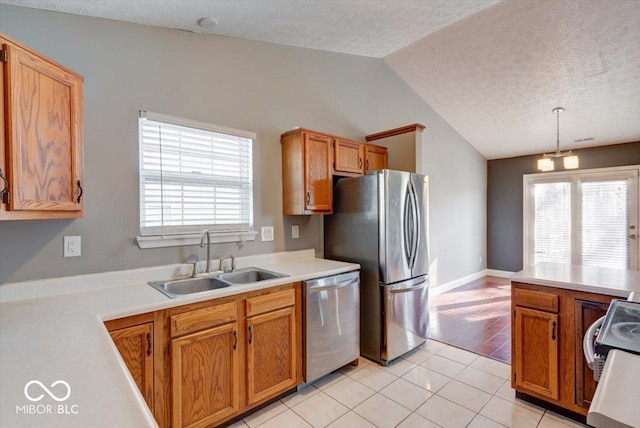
{"x":414,"y":284}
{"x":415,"y":233}
{"x":408,"y":239}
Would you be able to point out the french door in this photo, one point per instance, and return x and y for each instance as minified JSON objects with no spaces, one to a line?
{"x":585,"y":217}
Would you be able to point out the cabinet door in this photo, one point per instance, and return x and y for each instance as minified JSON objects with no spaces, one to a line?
{"x":586,"y":313}
{"x":317,"y":172}
{"x":44,"y":139}
{"x":536,"y":352}
{"x":348,"y":156}
{"x":271,"y":354}
{"x":135,"y":345}
{"x":375,"y":158}
{"x":205,"y":375}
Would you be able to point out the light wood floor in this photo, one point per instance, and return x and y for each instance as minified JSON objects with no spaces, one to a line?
{"x":475,"y":317}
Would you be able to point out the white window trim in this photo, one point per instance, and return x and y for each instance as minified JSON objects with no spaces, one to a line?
{"x":178,"y":240}
{"x":562,"y":176}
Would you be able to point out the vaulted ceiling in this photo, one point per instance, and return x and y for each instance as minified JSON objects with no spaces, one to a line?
{"x":493,"y":69}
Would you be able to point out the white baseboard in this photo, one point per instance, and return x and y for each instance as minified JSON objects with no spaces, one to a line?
{"x":466,"y":279}
{"x":499,"y":273}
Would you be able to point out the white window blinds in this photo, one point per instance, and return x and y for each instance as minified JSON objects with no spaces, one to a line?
{"x":193,"y":176}
{"x":583,"y":218}
{"x":605,"y":217}
{"x":552,"y":222}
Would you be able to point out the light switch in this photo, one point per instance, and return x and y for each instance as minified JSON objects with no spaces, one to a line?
{"x":295,"y":231}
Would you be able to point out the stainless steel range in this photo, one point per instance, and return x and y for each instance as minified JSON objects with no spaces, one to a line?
{"x":618,"y":329}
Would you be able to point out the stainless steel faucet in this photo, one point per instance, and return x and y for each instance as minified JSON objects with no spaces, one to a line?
{"x":233,"y":264}
{"x":208,"y":235}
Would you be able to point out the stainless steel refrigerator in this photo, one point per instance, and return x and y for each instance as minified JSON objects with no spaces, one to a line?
{"x":381,"y":222}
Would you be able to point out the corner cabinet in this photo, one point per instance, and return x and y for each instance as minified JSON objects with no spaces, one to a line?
{"x":133,"y":338}
{"x":41,"y":157}
{"x":548,"y":325}
{"x":306,"y":173}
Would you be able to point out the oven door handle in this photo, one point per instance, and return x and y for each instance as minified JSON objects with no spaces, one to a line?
{"x":587,"y":343}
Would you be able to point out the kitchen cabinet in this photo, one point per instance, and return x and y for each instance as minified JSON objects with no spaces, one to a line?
{"x":548,"y":326}
{"x":205,"y":366}
{"x":135,"y":344}
{"x":306,"y":172}
{"x":41,"y":157}
{"x":348,"y":157}
{"x":272,"y":348}
{"x":375,"y":158}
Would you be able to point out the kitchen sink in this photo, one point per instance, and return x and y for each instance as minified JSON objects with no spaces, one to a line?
{"x":248,"y":275}
{"x":180,"y":287}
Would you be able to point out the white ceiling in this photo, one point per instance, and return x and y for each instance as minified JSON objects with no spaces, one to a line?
{"x":493,"y":70}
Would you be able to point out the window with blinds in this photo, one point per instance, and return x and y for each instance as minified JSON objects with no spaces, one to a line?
{"x":585,"y":218}
{"x":193,"y":176}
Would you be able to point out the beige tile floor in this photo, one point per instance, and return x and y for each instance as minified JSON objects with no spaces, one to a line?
{"x":436,"y":385}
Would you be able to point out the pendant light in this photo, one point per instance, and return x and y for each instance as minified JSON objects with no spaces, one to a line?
{"x":570,"y":160}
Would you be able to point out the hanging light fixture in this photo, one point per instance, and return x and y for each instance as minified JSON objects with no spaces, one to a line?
{"x":570,"y":160}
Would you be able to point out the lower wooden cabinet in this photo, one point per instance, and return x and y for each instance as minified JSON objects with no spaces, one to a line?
{"x":536,"y":356}
{"x":271,"y":354}
{"x":135,"y":344}
{"x":548,"y":326}
{"x":205,"y":376}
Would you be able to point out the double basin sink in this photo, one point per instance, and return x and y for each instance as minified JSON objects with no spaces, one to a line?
{"x":181,"y":287}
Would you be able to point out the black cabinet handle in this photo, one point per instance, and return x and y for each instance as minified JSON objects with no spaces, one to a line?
{"x":308,"y":198}
{"x":367,"y":164}
{"x":81,"y":191}
{"x":235,"y":339}
{"x":250,"y":334}
{"x":360,"y":163}
{"x":148,"y":343}
{"x":553,"y":331}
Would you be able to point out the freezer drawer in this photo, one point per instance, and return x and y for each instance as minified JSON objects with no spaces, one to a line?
{"x":332,"y":323}
{"x":406,"y":316}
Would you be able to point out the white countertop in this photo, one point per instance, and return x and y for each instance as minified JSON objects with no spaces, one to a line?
{"x":53,"y":330}
{"x":613,"y":282}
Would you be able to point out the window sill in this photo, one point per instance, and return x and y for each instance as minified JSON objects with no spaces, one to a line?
{"x":193,"y":239}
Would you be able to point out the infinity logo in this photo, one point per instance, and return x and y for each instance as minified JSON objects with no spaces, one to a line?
{"x":51,"y":394}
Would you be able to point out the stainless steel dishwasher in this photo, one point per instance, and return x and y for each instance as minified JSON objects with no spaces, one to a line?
{"x":332,"y":323}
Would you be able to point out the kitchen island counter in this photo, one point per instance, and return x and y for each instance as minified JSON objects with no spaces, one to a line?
{"x":53,"y":330}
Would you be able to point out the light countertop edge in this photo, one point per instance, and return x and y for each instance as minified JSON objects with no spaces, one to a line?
{"x":62,"y":337}
{"x":589,"y":279}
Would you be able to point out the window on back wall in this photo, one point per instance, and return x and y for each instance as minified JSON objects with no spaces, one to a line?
{"x":193,"y":176}
{"x":586,"y":218}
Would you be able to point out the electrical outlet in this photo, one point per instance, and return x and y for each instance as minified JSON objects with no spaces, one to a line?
{"x":295,"y":231}
{"x":266,"y":232}
{"x":72,"y":246}
{"x":480,"y":259}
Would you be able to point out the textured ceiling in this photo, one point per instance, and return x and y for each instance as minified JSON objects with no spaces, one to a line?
{"x":493,"y":70}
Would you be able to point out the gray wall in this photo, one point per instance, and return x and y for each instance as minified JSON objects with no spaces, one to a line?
{"x":235,"y":83}
{"x":504,"y":197}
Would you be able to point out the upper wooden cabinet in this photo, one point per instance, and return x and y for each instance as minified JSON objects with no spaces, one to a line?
{"x":311,"y":159}
{"x":348,"y":157}
{"x":42,"y":149}
{"x":306,"y":173}
{"x":376,"y":158}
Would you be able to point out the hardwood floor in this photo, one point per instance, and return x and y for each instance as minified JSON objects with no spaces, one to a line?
{"x":475,"y":317}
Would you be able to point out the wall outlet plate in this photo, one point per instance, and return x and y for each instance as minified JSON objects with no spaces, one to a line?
{"x":295,"y":231}
{"x":266,"y":233}
{"x":72,"y":246}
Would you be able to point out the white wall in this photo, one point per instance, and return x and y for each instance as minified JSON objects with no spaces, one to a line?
{"x":235,"y":83}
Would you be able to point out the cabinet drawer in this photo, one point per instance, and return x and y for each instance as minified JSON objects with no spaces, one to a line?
{"x":270,"y":302}
{"x":536,"y":300}
{"x":199,"y":319}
